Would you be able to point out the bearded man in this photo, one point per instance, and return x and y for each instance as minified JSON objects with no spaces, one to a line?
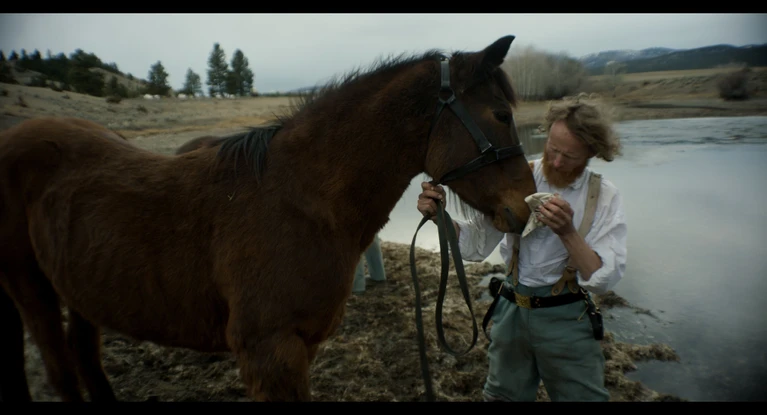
{"x":545,"y":326}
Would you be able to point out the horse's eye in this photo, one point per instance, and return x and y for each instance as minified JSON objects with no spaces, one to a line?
{"x":503,"y":117}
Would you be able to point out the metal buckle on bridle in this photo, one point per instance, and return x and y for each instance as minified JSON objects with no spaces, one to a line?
{"x":445,"y":82}
{"x":449,"y":99}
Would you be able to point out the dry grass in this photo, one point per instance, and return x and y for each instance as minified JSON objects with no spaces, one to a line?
{"x":660,"y":75}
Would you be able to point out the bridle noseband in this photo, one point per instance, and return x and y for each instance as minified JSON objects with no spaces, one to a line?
{"x":488,"y":155}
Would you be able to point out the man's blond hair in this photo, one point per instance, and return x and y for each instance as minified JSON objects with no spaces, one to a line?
{"x":589,"y":121}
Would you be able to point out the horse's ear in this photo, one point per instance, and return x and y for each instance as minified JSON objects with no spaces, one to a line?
{"x":494,"y":54}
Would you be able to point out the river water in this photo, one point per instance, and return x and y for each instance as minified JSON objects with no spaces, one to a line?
{"x":696,"y":205}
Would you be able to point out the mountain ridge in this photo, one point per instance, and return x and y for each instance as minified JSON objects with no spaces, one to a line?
{"x":668,"y":59}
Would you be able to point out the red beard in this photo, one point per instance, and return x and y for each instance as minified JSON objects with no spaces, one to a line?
{"x":559,"y":178}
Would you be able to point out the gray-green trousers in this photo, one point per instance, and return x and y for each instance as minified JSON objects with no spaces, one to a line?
{"x":549,"y":344}
{"x":374,"y":259}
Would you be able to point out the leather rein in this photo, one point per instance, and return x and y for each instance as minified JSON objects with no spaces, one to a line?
{"x":446,"y":231}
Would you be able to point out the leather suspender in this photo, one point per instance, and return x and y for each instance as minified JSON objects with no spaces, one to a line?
{"x":568,"y":275}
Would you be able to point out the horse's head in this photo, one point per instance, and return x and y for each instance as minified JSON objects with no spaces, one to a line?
{"x":473,"y":143}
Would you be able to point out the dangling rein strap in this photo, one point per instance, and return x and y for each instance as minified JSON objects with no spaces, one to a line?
{"x":446,"y":234}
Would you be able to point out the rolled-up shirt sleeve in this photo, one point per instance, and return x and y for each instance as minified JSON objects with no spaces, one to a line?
{"x":608,"y":239}
{"x":478,"y":238}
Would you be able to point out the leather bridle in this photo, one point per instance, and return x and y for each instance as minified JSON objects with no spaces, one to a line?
{"x":488,"y":155}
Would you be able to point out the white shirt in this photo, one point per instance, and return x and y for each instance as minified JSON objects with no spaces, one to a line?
{"x":542,"y":255}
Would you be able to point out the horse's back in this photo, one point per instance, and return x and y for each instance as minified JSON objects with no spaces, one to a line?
{"x":53,"y":168}
{"x":33,"y":152}
{"x":53,"y":128}
{"x":97,"y":213}
{"x":32,"y":156}
{"x":54,"y":171}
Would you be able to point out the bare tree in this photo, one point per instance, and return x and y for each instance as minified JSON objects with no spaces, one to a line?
{"x":538,"y":75}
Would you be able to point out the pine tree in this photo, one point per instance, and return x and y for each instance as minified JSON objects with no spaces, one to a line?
{"x":241,"y":78}
{"x":231,"y":83}
{"x":5,"y":71}
{"x":84,"y":80}
{"x":217,"y":71}
{"x":87,"y":60}
{"x":158,"y":80}
{"x":35,"y":62}
{"x":193,"y":84}
{"x":112,"y":87}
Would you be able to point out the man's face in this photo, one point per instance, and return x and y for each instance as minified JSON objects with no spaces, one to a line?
{"x":565,"y":156}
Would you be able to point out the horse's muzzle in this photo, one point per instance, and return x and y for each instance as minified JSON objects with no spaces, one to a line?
{"x":515,"y":226}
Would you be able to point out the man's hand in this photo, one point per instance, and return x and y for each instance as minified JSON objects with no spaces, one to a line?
{"x":557,"y":215}
{"x":426,"y":204}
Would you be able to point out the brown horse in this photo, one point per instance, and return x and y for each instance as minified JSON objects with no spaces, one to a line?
{"x":248,"y":247}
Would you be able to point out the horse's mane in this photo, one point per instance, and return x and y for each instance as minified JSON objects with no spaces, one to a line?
{"x":252,"y":145}
{"x":312,"y":97}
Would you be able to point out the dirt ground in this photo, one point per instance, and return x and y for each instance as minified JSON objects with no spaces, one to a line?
{"x":374,"y":354}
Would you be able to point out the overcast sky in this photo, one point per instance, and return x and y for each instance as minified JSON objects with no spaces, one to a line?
{"x":288,"y":51}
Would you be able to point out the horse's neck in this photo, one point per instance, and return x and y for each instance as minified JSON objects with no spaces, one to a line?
{"x":361,"y":167}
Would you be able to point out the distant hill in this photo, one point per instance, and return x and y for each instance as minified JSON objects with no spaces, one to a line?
{"x":80,"y":71}
{"x":130,"y":82}
{"x":29,"y":77}
{"x":598,"y":60}
{"x":664,"y":59}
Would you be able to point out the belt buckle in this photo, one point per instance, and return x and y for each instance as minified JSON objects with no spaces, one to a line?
{"x":522,"y":301}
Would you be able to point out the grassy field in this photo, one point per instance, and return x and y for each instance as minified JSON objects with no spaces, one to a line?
{"x":660,"y":75}
{"x":678,"y":85}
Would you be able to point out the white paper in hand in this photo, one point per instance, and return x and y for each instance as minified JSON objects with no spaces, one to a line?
{"x":533,"y":201}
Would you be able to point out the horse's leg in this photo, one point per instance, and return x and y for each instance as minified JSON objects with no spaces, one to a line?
{"x":13,"y":378}
{"x":39,"y":307}
{"x":274,"y":368}
{"x":312,"y":349}
{"x":85,"y":342}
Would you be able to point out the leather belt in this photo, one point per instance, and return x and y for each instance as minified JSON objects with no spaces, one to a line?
{"x":498,"y":288}
{"x":539,"y":302}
